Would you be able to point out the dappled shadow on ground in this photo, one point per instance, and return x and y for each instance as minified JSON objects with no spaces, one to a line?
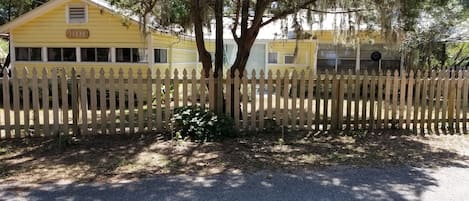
{"x":113,"y":158}
{"x":404,"y":183}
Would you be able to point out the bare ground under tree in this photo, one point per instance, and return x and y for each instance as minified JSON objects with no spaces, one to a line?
{"x":108,"y":158}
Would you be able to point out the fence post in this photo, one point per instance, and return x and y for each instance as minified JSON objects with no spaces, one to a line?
{"x":334,"y":101}
{"x":75,"y":102}
{"x":6,"y":103}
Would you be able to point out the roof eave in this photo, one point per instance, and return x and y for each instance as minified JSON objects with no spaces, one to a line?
{"x":6,"y":28}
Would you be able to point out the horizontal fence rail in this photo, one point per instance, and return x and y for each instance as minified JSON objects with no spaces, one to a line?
{"x":94,"y":102}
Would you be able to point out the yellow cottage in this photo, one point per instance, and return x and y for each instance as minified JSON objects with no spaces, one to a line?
{"x":93,"y":34}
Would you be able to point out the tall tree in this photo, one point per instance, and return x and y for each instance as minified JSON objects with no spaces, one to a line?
{"x":11,"y":9}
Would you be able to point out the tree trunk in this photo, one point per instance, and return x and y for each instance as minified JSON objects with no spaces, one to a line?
{"x":244,"y":50}
{"x":204,"y":55}
{"x":219,"y":56}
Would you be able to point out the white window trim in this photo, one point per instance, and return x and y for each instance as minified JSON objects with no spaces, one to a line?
{"x":113,"y":55}
{"x":167,"y":55}
{"x":67,"y":19}
{"x":78,"y":54}
{"x":278,"y":57}
{"x":44,"y":54}
{"x":288,"y":55}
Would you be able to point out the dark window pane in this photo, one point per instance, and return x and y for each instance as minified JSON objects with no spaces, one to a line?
{"x":88,"y":54}
{"x":69,"y":54}
{"x":325,"y":64}
{"x":161,"y":56}
{"x":123,"y":54}
{"x":289,"y":59}
{"x":343,"y":65}
{"x":273,"y":58}
{"x":36,"y":54}
{"x":135,"y":55}
{"x":22,"y":54}
{"x":369,"y":65}
{"x":54,"y":54}
{"x":103,"y":54}
{"x":391,"y":65}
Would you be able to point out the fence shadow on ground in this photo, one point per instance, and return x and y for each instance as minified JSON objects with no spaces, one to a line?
{"x":99,"y":157}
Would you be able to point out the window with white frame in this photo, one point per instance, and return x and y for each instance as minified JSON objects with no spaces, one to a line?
{"x":273,"y":58}
{"x":289,"y":59}
{"x":28,"y":54}
{"x":77,"y":13}
{"x":131,"y":55}
{"x":95,"y":55}
{"x":161,"y":56}
{"x":61,"y":54}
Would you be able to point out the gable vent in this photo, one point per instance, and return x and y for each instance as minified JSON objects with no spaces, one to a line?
{"x":77,"y":15}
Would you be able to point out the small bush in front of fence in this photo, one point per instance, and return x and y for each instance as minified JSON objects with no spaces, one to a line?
{"x":201,"y":125}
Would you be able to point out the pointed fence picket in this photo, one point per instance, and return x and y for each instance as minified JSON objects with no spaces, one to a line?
{"x":149,"y":101}
{"x":112,"y":102}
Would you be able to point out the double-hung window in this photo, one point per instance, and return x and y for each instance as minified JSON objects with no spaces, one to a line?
{"x":131,"y":55}
{"x":95,"y":55}
{"x":28,"y":54}
{"x":161,"y":56}
{"x":61,"y":54}
{"x":273,"y":57}
{"x":289,"y":59}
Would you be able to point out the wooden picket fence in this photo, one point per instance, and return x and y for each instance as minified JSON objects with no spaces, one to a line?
{"x":89,"y":102}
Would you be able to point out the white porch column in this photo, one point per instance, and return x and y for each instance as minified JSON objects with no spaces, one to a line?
{"x":151,"y":53}
{"x":358,"y":56}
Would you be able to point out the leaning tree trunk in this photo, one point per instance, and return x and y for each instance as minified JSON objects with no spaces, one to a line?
{"x":204,"y":56}
{"x":244,"y":50}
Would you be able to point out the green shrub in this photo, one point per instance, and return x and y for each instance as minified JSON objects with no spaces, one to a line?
{"x":201,"y":125}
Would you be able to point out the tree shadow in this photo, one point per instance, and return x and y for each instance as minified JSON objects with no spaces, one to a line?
{"x":316,"y":164}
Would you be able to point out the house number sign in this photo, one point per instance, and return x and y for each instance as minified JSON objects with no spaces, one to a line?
{"x":77,"y":33}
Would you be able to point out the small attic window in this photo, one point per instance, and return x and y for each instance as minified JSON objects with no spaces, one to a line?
{"x":76,"y":14}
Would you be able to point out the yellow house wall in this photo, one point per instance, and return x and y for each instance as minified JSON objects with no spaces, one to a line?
{"x":306,"y":55}
{"x":106,"y":29}
{"x":182,"y":52}
{"x":328,"y":36}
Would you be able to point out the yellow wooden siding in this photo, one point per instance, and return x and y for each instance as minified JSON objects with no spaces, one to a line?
{"x":183,"y":56}
{"x":329,"y":36}
{"x":163,"y":40}
{"x":106,"y":29}
{"x":305,"y":59}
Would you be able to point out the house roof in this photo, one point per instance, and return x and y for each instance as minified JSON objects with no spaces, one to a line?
{"x":271,"y":31}
{"x":50,"y":5}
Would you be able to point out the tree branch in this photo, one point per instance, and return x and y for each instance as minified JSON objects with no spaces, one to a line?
{"x":288,"y":12}
{"x":338,"y":12}
{"x":244,"y":17}
{"x":236,"y":21}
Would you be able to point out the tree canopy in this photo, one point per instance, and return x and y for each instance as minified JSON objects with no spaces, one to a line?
{"x":11,"y":9}
{"x":418,"y":23}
